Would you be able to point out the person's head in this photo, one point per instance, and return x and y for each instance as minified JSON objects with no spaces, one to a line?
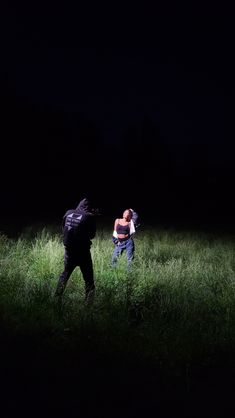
{"x":87,"y":205}
{"x":127,"y":215}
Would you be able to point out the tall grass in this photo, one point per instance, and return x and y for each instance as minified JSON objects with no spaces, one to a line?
{"x":175,"y":308}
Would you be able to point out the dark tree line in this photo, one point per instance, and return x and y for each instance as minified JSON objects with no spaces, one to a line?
{"x":51,"y":157}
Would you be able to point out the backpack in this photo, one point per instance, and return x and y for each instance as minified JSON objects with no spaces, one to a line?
{"x":72,"y":227}
{"x":73,"y":221}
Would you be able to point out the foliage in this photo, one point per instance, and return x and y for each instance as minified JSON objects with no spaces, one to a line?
{"x":175,"y":307}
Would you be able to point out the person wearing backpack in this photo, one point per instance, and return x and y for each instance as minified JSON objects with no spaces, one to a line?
{"x":124,"y":229}
{"x":79,"y":228}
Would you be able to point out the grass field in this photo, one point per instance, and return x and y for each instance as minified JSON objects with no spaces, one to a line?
{"x":174,"y":312}
{"x":176,"y":306}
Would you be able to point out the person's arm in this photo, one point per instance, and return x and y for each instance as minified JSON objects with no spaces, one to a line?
{"x":115,"y":228}
{"x":134,"y":218}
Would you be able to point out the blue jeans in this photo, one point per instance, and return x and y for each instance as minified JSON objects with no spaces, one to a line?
{"x":127,"y":245}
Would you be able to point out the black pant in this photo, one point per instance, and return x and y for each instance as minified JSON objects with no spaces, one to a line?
{"x":72,"y":259}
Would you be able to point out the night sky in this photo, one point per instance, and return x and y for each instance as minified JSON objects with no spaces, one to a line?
{"x":132,"y":107}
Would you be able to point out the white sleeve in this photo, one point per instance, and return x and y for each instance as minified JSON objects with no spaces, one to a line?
{"x":132,"y":228}
{"x":115,"y":235}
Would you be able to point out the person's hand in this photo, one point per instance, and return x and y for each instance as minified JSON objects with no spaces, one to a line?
{"x":115,"y":240}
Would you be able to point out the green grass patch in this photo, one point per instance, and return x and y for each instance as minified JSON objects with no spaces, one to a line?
{"x":176,"y":308}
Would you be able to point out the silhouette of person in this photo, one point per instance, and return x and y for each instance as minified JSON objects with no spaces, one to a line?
{"x":124,"y":228}
{"x":79,"y":228}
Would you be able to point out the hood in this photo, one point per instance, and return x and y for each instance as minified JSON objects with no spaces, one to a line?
{"x":85,"y":205}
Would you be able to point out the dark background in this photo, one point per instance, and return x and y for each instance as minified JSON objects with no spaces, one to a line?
{"x":132,"y":107}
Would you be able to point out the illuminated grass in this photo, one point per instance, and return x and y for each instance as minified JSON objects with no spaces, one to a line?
{"x":175,"y":307}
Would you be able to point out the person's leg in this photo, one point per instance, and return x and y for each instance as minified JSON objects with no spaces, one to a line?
{"x":116,"y":253}
{"x":69,"y":266}
{"x":130,"y":249}
{"x":86,"y":267}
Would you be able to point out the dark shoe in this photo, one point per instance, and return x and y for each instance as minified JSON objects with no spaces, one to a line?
{"x":59,"y":289}
{"x":89,"y":297}
{"x":58,"y":304}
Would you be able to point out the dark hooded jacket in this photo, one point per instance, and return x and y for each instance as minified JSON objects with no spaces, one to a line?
{"x":79,"y":226}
